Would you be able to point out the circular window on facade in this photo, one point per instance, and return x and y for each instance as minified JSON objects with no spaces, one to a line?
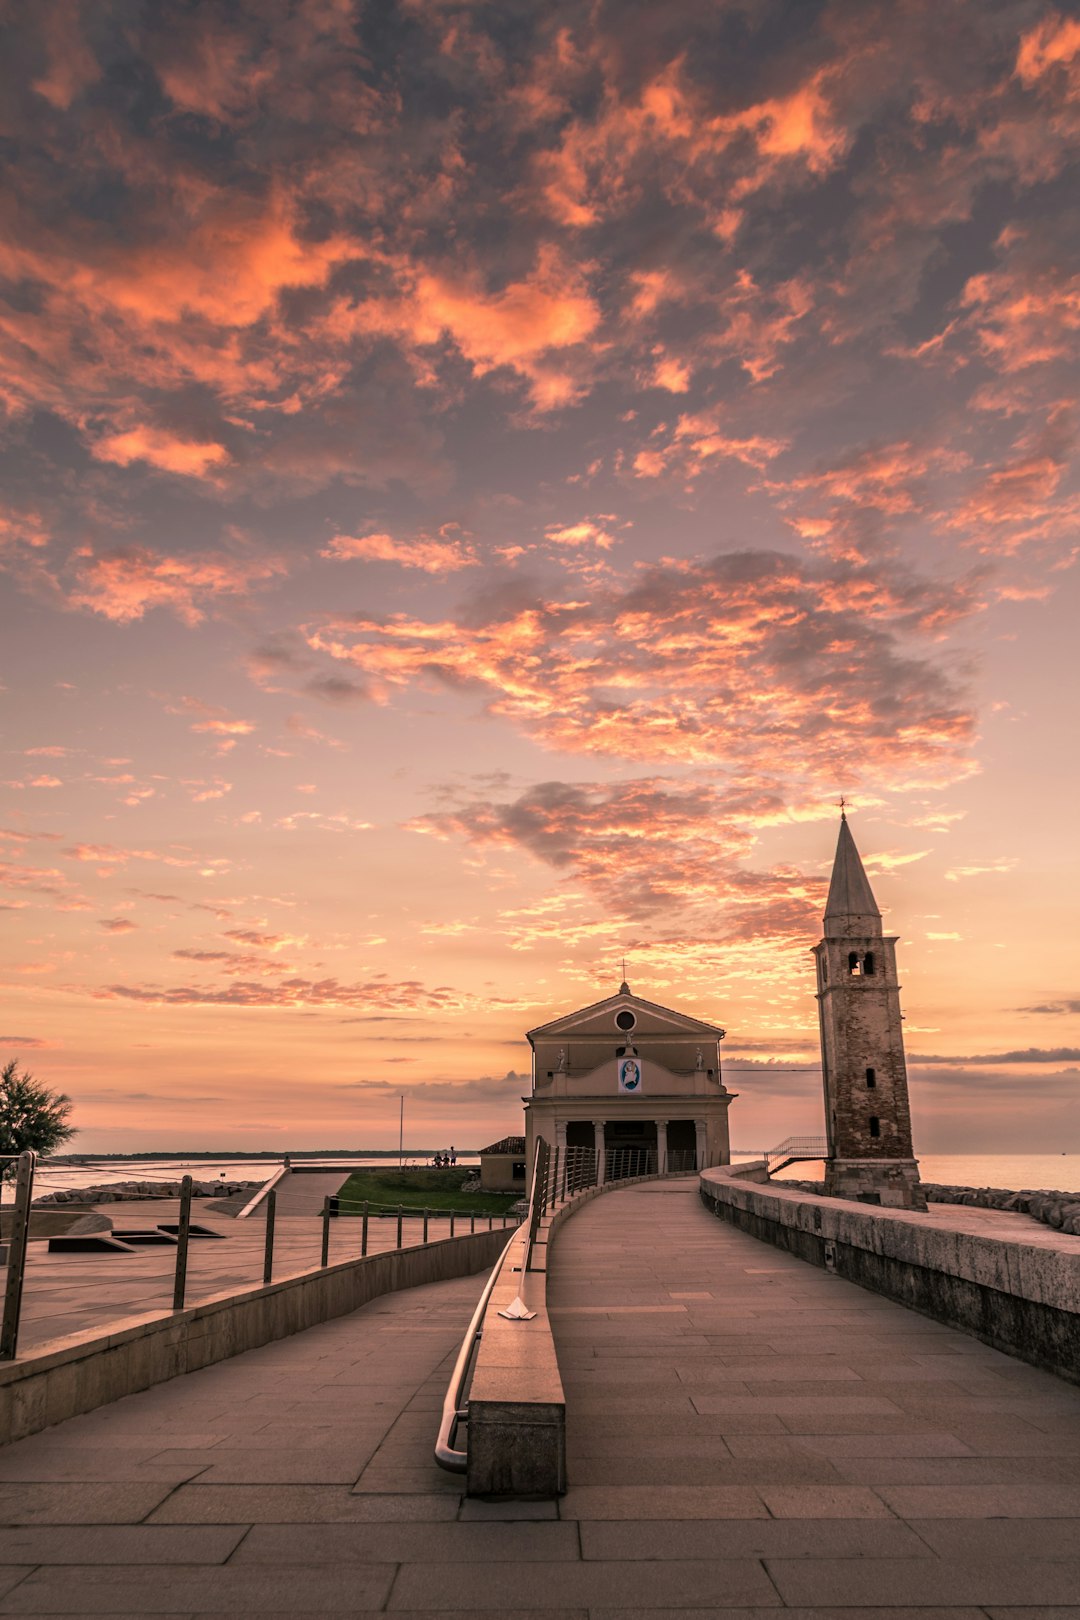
{"x":625,"y":1019}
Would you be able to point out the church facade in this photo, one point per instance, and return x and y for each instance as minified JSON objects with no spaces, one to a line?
{"x":641,"y":1083}
{"x":636,"y":1081}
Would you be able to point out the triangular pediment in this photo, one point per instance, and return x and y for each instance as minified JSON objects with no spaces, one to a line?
{"x":651,"y":1019}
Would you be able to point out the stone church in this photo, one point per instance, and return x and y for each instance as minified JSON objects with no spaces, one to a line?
{"x":642,"y":1084}
{"x":629,"y":1078}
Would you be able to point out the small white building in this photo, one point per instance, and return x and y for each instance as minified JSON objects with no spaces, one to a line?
{"x":626,"y":1073}
{"x":502,"y":1165}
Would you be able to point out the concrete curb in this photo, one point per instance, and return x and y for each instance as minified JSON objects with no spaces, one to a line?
{"x":86,"y":1371}
{"x":1021,"y":1298}
{"x":517,"y":1408}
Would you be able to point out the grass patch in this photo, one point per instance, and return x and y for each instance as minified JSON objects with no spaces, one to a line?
{"x":419,"y":1189}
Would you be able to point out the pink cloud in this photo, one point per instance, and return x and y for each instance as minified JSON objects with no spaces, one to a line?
{"x":444,"y":555}
{"x":587,"y":532}
{"x":674,"y":667}
{"x":1052,"y":45}
{"x":127,"y":583}
{"x":159,"y":449}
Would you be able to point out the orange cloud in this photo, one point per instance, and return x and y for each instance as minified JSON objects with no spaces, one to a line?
{"x":377,"y":994}
{"x":595,"y":168}
{"x":1053,"y":44}
{"x":443,"y":556}
{"x":539,"y":327}
{"x":587,"y":532}
{"x":699,"y":438}
{"x":159,"y":449}
{"x":72,"y":65}
{"x":1027,"y":312}
{"x":22,"y":528}
{"x":750,"y":657}
{"x":641,"y":843}
{"x":845,"y":508}
{"x":124,"y":584}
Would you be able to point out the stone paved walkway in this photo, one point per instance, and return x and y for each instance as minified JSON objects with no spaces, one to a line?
{"x":746,"y":1433}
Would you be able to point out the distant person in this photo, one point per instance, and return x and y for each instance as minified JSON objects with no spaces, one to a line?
{"x":453,"y":1156}
{"x":437,"y":1161}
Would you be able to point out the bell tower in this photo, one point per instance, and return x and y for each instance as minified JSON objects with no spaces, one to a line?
{"x":867,"y":1117}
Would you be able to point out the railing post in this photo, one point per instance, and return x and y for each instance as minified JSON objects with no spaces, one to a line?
{"x":268,"y":1252}
{"x":183,"y":1235}
{"x":426,"y":1214}
{"x":540,"y":1170}
{"x":452,"y":1213}
{"x":399,"y":1214}
{"x":491,"y":1223}
{"x":472,"y":1220}
{"x":325,"y":1260}
{"x":16,"y":1270}
{"x":363,"y":1231}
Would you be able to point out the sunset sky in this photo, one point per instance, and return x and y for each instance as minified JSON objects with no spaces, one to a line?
{"x":480,"y":481}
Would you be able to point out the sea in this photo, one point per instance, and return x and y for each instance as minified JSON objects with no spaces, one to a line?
{"x":90,"y":1172}
{"x":1059,"y":1171}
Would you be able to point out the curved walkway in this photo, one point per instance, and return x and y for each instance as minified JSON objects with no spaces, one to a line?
{"x":745,"y":1433}
{"x":746,"y":1430}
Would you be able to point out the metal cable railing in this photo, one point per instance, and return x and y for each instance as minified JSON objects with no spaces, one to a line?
{"x":413,"y":1226}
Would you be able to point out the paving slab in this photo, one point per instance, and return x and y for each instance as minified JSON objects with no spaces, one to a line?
{"x":745,"y":1434}
{"x":297,"y":1504}
{"x":719,"y":1583}
{"x":120,"y":1544}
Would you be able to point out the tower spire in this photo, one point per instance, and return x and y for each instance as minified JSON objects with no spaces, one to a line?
{"x":867,"y":1114}
{"x":851,"y":907}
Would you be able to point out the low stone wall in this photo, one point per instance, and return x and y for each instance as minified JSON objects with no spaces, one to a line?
{"x":1020,"y":1298}
{"x":86,"y":1371}
{"x":120,"y":1192}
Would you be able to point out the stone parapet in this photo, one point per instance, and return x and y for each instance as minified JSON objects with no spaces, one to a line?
{"x":88,"y":1370}
{"x":1021,"y":1298}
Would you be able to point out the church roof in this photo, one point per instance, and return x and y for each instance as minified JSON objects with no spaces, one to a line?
{"x":653,"y":1019}
{"x":850,"y":895}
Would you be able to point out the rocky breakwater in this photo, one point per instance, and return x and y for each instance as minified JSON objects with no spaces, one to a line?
{"x":1061,"y":1210}
{"x":118,"y":1192}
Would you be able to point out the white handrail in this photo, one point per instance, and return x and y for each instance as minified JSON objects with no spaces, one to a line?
{"x":453,"y":1412}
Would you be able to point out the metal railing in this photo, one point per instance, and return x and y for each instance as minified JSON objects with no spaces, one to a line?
{"x":681,"y":1162}
{"x":455,"y":1409}
{"x":621,"y":1163}
{"x":332,"y":1208}
{"x":558,"y":1174}
{"x":795,"y":1150}
{"x":17,"y":1217}
{"x":22,"y":1165}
